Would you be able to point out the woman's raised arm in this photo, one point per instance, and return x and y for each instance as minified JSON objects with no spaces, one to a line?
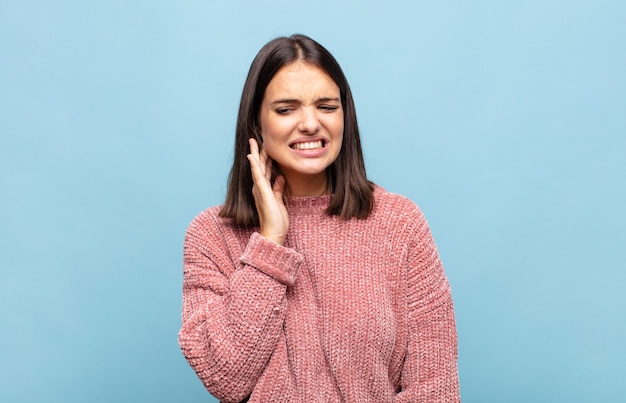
{"x":233,"y":306}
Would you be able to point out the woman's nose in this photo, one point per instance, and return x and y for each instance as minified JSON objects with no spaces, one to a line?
{"x":309,"y":121}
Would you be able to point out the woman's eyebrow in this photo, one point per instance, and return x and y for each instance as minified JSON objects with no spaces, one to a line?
{"x":293,"y":100}
{"x":327,"y":99}
{"x":285,"y":101}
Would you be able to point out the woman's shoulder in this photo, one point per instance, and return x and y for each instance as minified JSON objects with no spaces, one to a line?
{"x":210,"y":231}
{"x":208,"y":214}
{"x":396,"y":204}
{"x":398,"y":212}
{"x":210,"y":221}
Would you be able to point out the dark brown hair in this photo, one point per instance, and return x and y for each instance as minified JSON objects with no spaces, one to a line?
{"x":352,"y":193}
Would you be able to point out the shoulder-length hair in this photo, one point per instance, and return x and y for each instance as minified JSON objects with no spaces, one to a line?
{"x":352,"y":193}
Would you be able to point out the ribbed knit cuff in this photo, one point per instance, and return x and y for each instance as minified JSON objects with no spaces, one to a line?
{"x":276,"y":261}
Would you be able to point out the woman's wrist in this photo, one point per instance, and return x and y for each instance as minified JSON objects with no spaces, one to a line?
{"x":276,"y":238}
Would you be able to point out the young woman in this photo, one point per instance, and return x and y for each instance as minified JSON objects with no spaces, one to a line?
{"x":310,"y":283}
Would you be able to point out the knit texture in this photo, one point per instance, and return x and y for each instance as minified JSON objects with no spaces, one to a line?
{"x":353,"y":310}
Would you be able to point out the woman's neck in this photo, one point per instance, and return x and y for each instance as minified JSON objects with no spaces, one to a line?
{"x":307,"y":185}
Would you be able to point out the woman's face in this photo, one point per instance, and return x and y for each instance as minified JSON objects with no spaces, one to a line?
{"x":301,"y":120}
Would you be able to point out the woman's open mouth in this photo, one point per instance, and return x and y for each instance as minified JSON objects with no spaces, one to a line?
{"x":309,"y":145}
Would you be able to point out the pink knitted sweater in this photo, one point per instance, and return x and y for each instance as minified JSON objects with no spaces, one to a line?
{"x":345,"y":311}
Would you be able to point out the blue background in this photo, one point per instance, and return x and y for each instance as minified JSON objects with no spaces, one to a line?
{"x":504,"y":121}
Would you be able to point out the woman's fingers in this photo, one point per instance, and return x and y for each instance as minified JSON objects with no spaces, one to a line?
{"x":266,"y":161}
{"x":260,"y":163}
{"x":254,"y":148}
{"x":257,"y":165}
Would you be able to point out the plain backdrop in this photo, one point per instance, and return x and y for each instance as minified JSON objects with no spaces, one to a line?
{"x":505,"y":121}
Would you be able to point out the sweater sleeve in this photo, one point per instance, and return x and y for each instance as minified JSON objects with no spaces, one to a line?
{"x":233,"y":309}
{"x":430,"y":368}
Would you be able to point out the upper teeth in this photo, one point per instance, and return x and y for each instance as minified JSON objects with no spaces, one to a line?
{"x":308,"y":145}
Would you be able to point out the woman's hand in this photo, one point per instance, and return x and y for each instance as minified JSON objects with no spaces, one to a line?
{"x":273,"y":217}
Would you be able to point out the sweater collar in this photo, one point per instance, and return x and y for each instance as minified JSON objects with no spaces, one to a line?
{"x":307,"y":204}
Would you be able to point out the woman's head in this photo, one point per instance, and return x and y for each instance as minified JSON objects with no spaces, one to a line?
{"x":352,"y":192}
{"x":301,"y":126}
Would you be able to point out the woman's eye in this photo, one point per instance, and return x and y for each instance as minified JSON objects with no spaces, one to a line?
{"x":328,"y":108}
{"x":283,"y":111}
